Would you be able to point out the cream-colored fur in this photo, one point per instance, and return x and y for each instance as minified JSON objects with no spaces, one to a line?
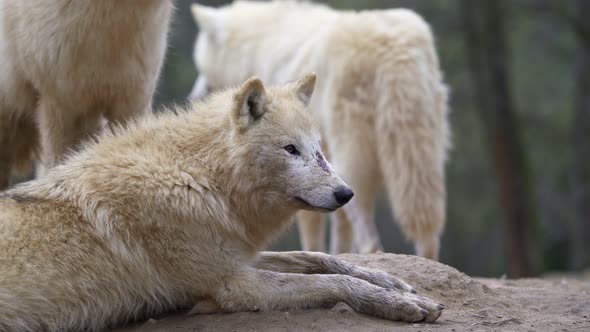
{"x":69,"y":65}
{"x":380,"y":100}
{"x":173,"y":211}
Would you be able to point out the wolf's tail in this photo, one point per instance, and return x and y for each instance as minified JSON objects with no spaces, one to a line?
{"x":413,"y":138}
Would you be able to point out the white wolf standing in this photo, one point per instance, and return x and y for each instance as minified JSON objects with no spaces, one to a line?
{"x":380,"y":100}
{"x":68,"y":65}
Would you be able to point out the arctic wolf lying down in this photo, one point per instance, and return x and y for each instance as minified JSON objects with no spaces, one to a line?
{"x":380,"y":100}
{"x":65,"y":66}
{"x":173,"y":211}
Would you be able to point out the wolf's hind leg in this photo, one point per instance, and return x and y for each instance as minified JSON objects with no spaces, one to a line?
{"x":63,"y":127}
{"x":7,"y":149}
{"x":341,"y":234}
{"x":354,"y":158}
{"x":428,"y":247}
{"x":311,"y":231}
{"x":205,"y":306}
{"x":18,"y":131}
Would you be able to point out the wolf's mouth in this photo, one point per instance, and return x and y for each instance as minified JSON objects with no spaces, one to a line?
{"x":312,"y":207}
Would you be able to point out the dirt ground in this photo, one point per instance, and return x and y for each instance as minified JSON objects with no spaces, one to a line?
{"x":555,"y":303}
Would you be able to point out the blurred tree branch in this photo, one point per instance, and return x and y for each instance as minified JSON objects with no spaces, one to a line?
{"x":576,"y":14}
{"x":569,"y":12}
{"x":580,"y":253}
{"x":488,"y":54}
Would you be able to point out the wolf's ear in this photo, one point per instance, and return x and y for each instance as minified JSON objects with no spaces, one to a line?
{"x":249,"y":103}
{"x":303,"y":88}
{"x":205,"y":17}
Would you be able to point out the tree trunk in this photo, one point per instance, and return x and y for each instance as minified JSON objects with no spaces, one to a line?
{"x":489,"y":62}
{"x":580,"y":251}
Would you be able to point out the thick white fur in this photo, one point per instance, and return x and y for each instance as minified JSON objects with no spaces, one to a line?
{"x":174,"y":210}
{"x":69,"y":65}
{"x":380,"y":100}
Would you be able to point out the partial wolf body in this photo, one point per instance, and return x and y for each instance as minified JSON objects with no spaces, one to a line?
{"x":380,"y":100}
{"x":69,"y":65}
{"x":173,"y":211}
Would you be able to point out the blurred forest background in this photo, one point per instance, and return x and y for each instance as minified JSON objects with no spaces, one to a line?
{"x":519,"y":173}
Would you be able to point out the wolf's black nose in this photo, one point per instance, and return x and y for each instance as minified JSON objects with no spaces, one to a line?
{"x":343,"y":195}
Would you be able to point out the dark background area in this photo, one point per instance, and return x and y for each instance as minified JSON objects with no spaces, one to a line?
{"x":518,"y":175}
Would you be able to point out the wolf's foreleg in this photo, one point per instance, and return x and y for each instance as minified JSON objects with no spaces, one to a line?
{"x":252,"y":289}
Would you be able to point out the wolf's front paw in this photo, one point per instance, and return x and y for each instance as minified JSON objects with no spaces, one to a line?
{"x":429,"y":310}
{"x":405,"y":307}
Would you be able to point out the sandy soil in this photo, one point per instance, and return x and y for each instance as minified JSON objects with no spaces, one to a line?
{"x":555,"y":303}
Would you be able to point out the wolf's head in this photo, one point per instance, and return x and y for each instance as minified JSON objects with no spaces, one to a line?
{"x":226,"y":35}
{"x":210,"y":42}
{"x":275,"y":134}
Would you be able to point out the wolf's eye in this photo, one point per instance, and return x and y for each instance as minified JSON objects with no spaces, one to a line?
{"x":292,"y":149}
